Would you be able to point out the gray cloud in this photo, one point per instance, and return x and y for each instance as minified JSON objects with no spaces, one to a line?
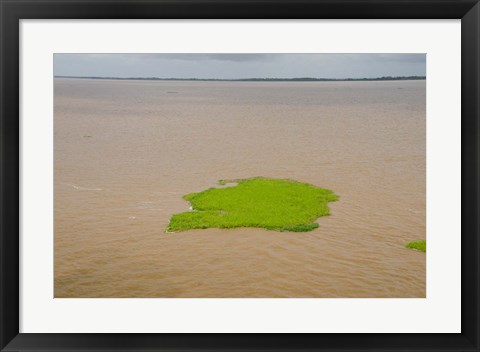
{"x":206,"y":57}
{"x":402,"y":57}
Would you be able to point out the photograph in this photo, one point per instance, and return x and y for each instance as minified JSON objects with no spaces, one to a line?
{"x":239,"y":175}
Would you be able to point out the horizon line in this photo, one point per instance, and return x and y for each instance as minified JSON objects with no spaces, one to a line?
{"x":252,"y":79}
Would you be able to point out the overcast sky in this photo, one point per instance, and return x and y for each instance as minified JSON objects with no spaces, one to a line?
{"x":231,"y":66}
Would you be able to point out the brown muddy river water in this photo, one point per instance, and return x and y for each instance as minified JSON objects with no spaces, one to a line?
{"x":127,"y":151}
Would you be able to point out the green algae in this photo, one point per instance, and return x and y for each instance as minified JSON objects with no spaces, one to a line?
{"x":273,"y":204}
{"x":420,"y":245}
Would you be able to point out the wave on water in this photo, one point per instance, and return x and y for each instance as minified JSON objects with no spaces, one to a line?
{"x":80,"y":188}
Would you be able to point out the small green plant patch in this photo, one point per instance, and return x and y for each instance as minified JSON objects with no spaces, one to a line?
{"x":418,"y":245}
{"x":273,"y":204}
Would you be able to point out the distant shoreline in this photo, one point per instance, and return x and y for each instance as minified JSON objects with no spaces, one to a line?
{"x":299,"y":79}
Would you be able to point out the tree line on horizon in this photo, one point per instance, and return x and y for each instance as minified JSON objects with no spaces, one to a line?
{"x":298,"y":79}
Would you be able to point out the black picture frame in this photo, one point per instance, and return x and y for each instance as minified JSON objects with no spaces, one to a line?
{"x":11,"y":11}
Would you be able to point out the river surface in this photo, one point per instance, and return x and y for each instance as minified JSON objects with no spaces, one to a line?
{"x":127,"y":151}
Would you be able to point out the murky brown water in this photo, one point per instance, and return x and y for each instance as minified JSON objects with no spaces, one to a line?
{"x":126,"y":152}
